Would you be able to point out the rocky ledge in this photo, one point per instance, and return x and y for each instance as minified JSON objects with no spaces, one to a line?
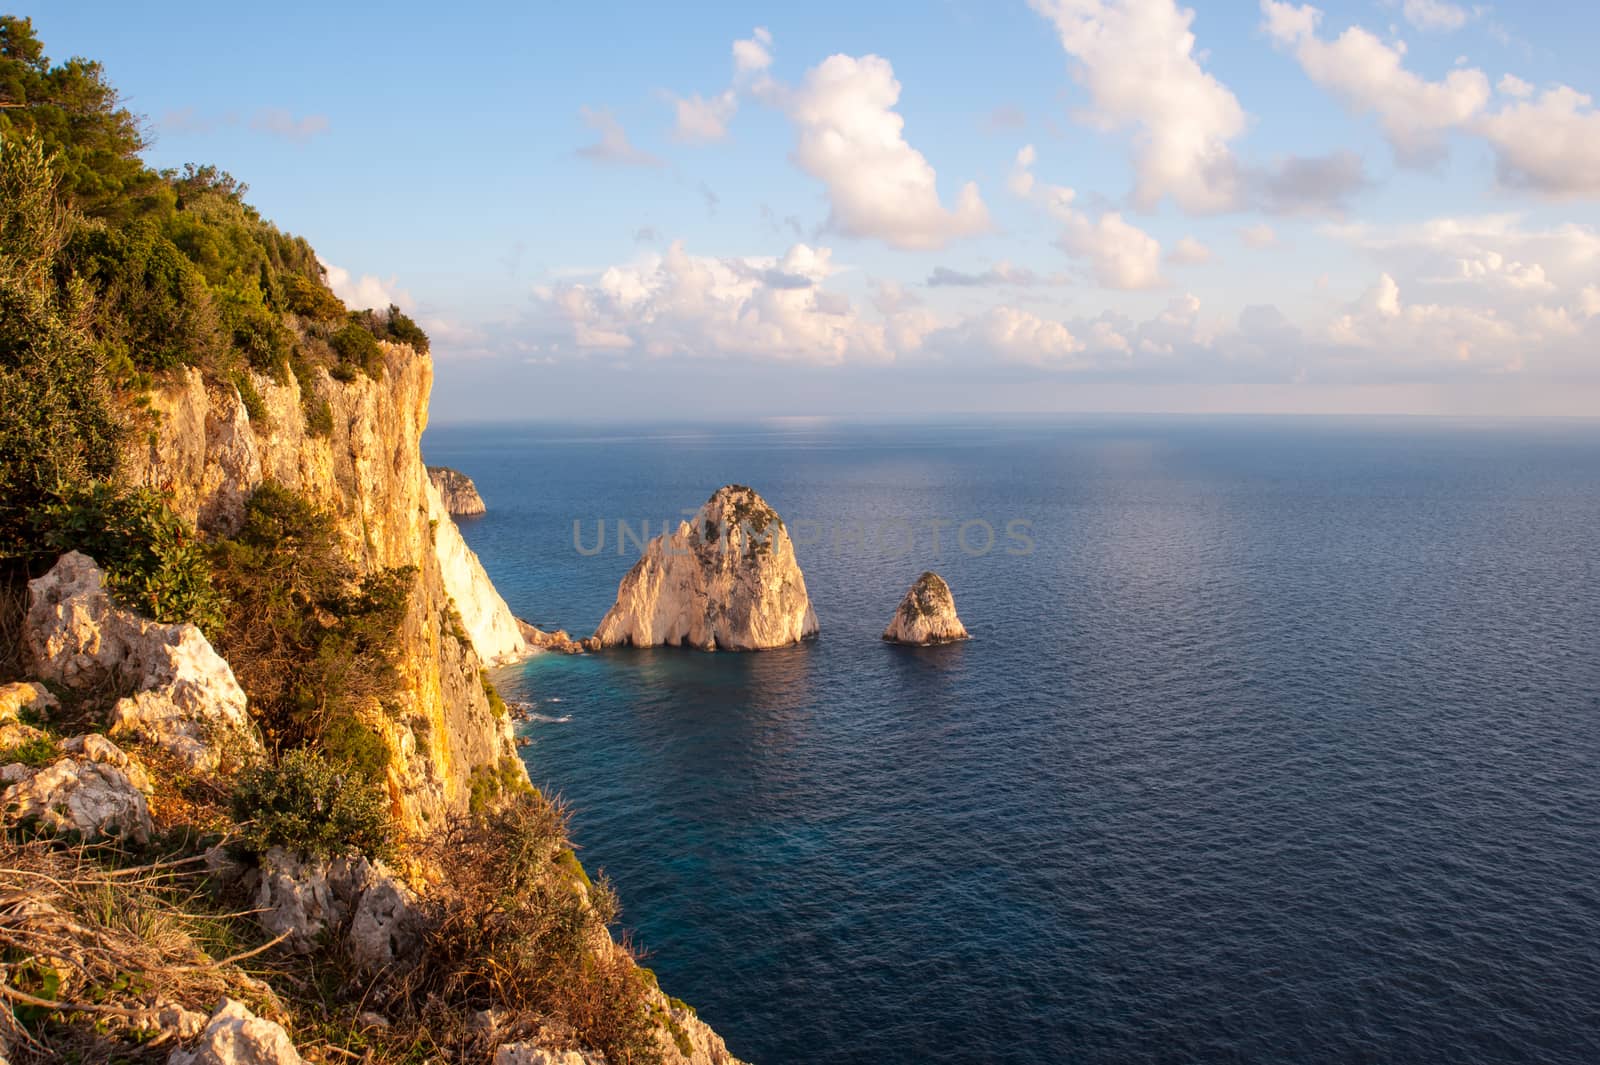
{"x":460,"y":495}
{"x":926,"y":615}
{"x":725,"y":580}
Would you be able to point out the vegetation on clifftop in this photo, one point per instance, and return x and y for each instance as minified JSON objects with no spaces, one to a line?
{"x":113,"y":278}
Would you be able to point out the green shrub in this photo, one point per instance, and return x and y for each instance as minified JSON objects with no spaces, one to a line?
{"x":254,"y":406}
{"x":151,"y":302}
{"x":153,"y":562}
{"x":403,"y":330}
{"x":36,"y":752}
{"x":58,"y":425}
{"x":312,"y":300}
{"x":312,"y":641}
{"x":357,"y":347}
{"x":309,"y":803}
{"x":497,"y":705}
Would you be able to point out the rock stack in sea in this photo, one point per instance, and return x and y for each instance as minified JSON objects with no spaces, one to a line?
{"x":926,"y":615}
{"x":727,"y":579}
{"x":460,"y":495}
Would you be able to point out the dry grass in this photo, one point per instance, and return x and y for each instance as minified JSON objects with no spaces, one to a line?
{"x":92,"y":952}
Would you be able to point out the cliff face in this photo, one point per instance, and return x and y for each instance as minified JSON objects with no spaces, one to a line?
{"x":460,"y":495}
{"x":726,"y":579}
{"x":495,"y":632}
{"x":209,"y":456}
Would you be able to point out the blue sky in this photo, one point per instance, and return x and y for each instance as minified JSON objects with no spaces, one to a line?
{"x":1064,"y":205}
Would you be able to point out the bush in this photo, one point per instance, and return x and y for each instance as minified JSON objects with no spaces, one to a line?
{"x":152,"y":303}
{"x":311,"y":804}
{"x":312,"y":641}
{"x":514,"y":929}
{"x":403,"y":330}
{"x":153,"y":562}
{"x":311,"y":300}
{"x":35,"y":752}
{"x":357,"y":347}
{"x":58,"y":425}
{"x":497,"y":705}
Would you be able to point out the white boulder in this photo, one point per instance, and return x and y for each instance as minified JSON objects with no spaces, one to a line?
{"x":235,"y":1036}
{"x":93,"y":800}
{"x":185,"y":697}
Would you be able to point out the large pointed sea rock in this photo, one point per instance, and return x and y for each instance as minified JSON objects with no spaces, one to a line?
{"x":725,"y":580}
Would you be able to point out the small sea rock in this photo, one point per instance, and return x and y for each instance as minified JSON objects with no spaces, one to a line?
{"x":926,"y":615}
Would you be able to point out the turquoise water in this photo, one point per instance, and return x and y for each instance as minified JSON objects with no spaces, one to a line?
{"x":1279,"y":745}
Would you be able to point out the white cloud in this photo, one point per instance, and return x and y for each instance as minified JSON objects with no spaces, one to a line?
{"x":677,"y":304}
{"x":1023,"y":185}
{"x":1137,"y":60}
{"x":1008,"y":334}
{"x":1188,"y":252}
{"x":701,"y":119}
{"x":1121,"y":255}
{"x":1511,"y":85}
{"x":613,"y":145}
{"x":364,"y":292}
{"x":1258,"y":236}
{"x":1550,"y":145}
{"x":1437,"y":15}
{"x":1370,"y":77}
{"x":878,"y":185}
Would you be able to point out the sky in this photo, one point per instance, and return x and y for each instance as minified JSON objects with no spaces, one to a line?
{"x":754,"y":210}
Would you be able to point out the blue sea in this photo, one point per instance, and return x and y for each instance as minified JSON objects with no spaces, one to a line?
{"x":1277,"y":741}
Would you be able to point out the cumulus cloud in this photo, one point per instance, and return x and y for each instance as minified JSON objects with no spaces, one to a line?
{"x":1120,"y":255}
{"x":1137,"y":61}
{"x":701,"y":119}
{"x":1008,"y":334}
{"x":1188,"y":252}
{"x":1001,"y":273}
{"x":878,"y":186}
{"x":613,"y":145}
{"x":1370,"y":77}
{"x":1480,"y":294}
{"x":678,"y":304}
{"x":364,"y":292}
{"x":1550,"y":145}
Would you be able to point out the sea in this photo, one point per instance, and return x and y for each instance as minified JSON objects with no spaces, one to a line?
{"x":1276,"y":740}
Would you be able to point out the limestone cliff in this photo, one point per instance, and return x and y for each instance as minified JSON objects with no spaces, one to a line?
{"x":926,"y":615}
{"x":725,"y":580}
{"x":460,"y":495}
{"x":495,"y":632}
{"x":209,"y":455}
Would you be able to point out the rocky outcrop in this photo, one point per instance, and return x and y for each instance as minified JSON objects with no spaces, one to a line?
{"x":23,"y":700}
{"x":90,"y":798}
{"x":559,"y":641}
{"x":725,"y":580}
{"x":926,"y":615}
{"x":235,"y":1036}
{"x":460,"y":495}
{"x":209,"y":456}
{"x":184,"y":696}
{"x":363,"y":903}
{"x":495,"y":633}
